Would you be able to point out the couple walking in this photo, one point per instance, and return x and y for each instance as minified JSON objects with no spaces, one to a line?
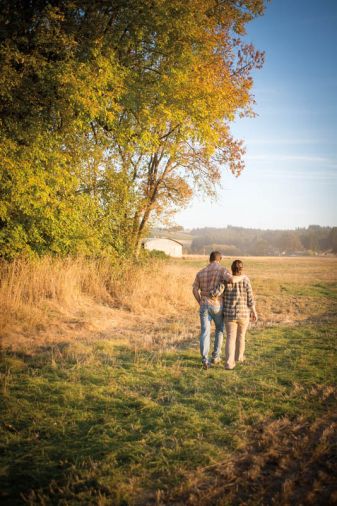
{"x":227,"y":299}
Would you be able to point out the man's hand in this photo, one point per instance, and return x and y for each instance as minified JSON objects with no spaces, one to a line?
{"x":197,"y":295}
{"x":228,"y":277}
{"x":217,"y":291}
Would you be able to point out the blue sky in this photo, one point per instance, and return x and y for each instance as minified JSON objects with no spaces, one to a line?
{"x":290,"y":178}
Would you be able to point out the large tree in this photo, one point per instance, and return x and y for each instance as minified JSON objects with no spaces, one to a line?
{"x":114,"y":111}
{"x":53,"y":83}
{"x":189,"y":75}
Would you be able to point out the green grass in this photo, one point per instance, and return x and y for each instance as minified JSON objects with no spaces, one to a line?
{"x":317,"y":290}
{"x":98,"y":424}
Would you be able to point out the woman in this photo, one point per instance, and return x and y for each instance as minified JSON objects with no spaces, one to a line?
{"x":238,"y":308}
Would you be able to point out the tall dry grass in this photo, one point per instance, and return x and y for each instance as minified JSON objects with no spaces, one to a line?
{"x":155,"y":285}
{"x":56,"y":299}
{"x":36,"y":295}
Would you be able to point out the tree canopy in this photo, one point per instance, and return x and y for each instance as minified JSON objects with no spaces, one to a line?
{"x":115,"y":112}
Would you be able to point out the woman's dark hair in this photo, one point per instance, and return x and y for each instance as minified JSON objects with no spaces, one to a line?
{"x":237,"y":267}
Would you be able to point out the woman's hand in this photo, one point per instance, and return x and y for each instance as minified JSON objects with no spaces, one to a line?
{"x":253,"y":315}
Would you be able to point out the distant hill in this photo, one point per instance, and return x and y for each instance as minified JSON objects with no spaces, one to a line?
{"x":231,"y":240}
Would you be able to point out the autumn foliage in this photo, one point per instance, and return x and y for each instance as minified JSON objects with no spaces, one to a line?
{"x":113,"y":114}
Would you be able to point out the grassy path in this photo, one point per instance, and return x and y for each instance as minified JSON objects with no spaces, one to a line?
{"x":100,"y":423}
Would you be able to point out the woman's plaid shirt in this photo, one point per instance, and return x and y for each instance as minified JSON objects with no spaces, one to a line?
{"x":207,"y":279}
{"x":238,"y":298}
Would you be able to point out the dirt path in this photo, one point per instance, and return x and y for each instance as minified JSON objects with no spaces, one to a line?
{"x":286,"y":462}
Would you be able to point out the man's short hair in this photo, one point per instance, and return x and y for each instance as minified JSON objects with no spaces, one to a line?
{"x":215,"y":256}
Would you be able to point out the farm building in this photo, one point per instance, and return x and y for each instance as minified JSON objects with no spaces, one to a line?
{"x":168,"y":246}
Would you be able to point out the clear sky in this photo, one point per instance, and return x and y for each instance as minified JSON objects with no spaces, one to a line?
{"x":290,"y":178}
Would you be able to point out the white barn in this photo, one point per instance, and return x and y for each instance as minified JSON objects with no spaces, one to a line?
{"x":169,"y":246}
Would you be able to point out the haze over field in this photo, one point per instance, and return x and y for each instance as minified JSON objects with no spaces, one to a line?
{"x":314,"y":240}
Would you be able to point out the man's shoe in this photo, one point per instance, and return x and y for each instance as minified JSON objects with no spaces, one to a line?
{"x":215,"y":360}
{"x":206,"y":364}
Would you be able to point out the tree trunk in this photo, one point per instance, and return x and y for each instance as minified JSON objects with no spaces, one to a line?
{"x":153,"y":185}
{"x":139,"y":233}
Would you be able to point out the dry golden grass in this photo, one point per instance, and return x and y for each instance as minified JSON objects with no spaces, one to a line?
{"x":53,"y":299}
{"x":56,"y":300}
{"x":43,"y":297}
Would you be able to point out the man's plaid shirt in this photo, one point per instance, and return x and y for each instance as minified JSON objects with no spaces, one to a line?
{"x":238,"y":298}
{"x":207,"y":279}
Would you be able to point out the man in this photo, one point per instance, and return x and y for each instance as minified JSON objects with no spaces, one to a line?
{"x":211,"y":308}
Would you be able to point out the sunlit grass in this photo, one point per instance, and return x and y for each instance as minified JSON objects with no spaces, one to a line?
{"x":106,"y":403}
{"x":104,"y":425}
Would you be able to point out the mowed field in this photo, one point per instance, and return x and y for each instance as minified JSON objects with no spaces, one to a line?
{"x":104,"y":400}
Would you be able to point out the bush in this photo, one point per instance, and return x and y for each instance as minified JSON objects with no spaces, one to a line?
{"x":155,"y":253}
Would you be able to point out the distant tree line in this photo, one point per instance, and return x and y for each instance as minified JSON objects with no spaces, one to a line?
{"x":112,"y":113}
{"x":245,"y":241}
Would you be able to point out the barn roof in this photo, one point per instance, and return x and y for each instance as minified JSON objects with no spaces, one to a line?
{"x":148,"y":239}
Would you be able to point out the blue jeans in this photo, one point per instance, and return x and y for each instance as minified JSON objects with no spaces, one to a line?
{"x":207,"y":314}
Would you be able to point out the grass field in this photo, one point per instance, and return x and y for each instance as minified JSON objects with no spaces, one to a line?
{"x":124,"y":415}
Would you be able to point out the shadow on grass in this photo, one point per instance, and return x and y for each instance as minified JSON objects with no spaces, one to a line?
{"x":285,"y":462}
{"x":65,"y":423}
{"x":114,"y":422}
